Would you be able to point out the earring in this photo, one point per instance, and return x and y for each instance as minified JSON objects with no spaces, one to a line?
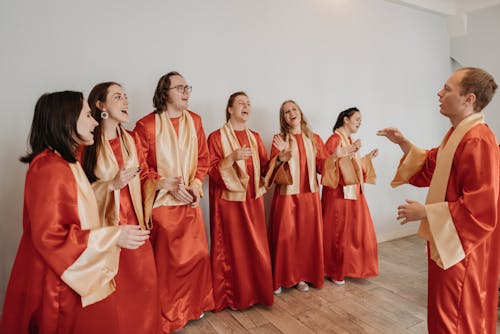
{"x":104,"y":114}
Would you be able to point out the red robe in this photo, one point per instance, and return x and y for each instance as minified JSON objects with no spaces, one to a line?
{"x":136,"y":283}
{"x":296,"y":228}
{"x":463,"y":298}
{"x":37,"y":300}
{"x":179,"y":241}
{"x":241,"y":265}
{"x":349,"y":237}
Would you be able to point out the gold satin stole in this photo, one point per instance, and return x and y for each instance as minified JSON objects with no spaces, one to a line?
{"x":92,"y":274}
{"x":351,"y":169}
{"x":438,"y":229}
{"x":294,"y":167}
{"x":106,"y":169}
{"x":235,"y":176}
{"x":176,"y":154}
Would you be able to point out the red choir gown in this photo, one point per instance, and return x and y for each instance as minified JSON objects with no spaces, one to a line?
{"x":464,"y":297}
{"x":134,"y":305}
{"x":349,"y":241}
{"x":241,"y":265}
{"x":37,"y":299}
{"x":296,"y":228}
{"x":179,"y":241}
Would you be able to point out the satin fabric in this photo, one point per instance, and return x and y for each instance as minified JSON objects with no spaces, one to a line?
{"x":241,"y":264}
{"x":134,"y":307}
{"x":238,"y":182}
{"x":176,"y":153}
{"x":179,"y":242}
{"x":37,"y":300}
{"x":349,"y":241}
{"x":463,"y":298}
{"x":296,"y":226}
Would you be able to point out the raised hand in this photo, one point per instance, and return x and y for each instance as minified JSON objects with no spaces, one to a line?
{"x":283,"y":146}
{"x":123,"y":177}
{"x":132,"y":237}
{"x":395,"y":136}
{"x":373,"y":153}
{"x":346,"y":151}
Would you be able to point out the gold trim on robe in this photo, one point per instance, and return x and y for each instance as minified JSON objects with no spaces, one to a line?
{"x":351,"y":168}
{"x":106,"y":170}
{"x":439,"y":228}
{"x":293,"y":169}
{"x":234,"y":174}
{"x":410,"y":164}
{"x":92,"y":274}
{"x":176,"y":155}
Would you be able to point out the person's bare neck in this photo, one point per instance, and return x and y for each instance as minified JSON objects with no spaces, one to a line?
{"x":173,"y":112}
{"x":110,"y":129}
{"x":455,"y":120}
{"x":296,"y":130}
{"x":238,"y":126}
{"x":346,"y":131}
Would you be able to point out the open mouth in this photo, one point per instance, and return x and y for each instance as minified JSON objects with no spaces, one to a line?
{"x":125,"y":111}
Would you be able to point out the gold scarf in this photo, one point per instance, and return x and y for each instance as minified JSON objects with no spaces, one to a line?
{"x":350,"y":167}
{"x":294,"y":164}
{"x":106,"y":169}
{"x":447,"y":250}
{"x":92,"y":274}
{"x":176,"y":154}
{"x":236,"y":179}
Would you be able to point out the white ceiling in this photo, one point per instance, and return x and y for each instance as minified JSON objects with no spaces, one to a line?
{"x":448,"y":7}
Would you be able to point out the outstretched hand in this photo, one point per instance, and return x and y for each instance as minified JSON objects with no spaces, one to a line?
{"x":411,"y":211}
{"x":396,"y":136}
{"x":393,"y":134}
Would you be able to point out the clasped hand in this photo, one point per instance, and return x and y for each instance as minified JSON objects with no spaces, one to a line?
{"x":175,"y":185}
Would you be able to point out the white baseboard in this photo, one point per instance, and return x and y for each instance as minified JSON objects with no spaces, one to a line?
{"x":396,"y":234}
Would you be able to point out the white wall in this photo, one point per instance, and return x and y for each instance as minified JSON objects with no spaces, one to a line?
{"x":480,"y":48}
{"x":387,"y":59}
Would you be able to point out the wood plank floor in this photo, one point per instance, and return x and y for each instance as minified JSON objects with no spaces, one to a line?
{"x":393,"y":302}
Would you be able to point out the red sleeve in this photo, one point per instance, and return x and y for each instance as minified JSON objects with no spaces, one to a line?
{"x":145,"y":130}
{"x":146,"y":171}
{"x":262,"y":153}
{"x":203,"y":152}
{"x":52,"y":212}
{"x":216,"y":156}
{"x":274,"y":150}
{"x":321,"y":154}
{"x":332,"y":143}
{"x":473,"y":190}
{"x":424,"y":176}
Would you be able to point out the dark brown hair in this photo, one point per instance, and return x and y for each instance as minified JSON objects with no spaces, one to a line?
{"x":54,"y":125}
{"x":346,"y":113}
{"x":480,"y":83}
{"x":160,"y":98}
{"x":230,"y":102}
{"x":89,"y":158}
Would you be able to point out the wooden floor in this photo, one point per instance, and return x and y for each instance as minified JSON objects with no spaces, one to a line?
{"x":392,"y":303}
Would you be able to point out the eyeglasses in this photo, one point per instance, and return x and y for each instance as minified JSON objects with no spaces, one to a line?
{"x":182,"y":88}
